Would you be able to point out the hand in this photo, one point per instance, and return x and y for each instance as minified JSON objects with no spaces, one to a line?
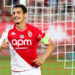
{"x":39,"y":61}
{"x":5,"y":44}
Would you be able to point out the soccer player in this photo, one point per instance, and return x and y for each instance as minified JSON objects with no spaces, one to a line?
{"x":22,"y":39}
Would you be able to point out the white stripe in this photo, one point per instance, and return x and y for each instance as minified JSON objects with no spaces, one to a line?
{"x":17,"y":62}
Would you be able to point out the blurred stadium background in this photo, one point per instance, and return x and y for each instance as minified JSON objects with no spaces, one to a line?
{"x":57,"y":19}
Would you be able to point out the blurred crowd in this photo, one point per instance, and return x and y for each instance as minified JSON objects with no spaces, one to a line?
{"x":52,"y":10}
{"x":48,"y":10}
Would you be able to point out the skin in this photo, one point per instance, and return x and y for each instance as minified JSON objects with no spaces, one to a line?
{"x":20,"y":20}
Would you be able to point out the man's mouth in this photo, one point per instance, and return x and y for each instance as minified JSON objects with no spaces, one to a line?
{"x":16,"y":22}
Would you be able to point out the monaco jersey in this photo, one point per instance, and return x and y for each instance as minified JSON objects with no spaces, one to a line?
{"x":23,"y":46}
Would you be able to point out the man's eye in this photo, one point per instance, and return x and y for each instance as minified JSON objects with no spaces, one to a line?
{"x":18,"y":12}
{"x":13,"y":12}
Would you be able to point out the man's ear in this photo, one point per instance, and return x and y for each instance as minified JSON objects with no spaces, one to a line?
{"x":26,"y":15}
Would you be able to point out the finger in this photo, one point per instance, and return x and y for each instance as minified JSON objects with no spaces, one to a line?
{"x":35,"y":60}
{"x":5,"y":45}
{"x":4,"y":40}
{"x":7,"y":42}
{"x":37,"y":63}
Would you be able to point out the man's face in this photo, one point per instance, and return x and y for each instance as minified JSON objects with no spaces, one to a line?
{"x":18,"y":15}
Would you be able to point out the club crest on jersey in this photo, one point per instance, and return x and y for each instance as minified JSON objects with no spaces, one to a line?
{"x":13,"y":33}
{"x":39,"y":36}
{"x":29,"y":33}
{"x":21,"y":36}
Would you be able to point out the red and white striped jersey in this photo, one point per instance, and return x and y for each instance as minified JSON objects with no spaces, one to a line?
{"x":23,"y":46}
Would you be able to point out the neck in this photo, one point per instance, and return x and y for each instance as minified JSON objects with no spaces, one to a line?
{"x":21,"y":26}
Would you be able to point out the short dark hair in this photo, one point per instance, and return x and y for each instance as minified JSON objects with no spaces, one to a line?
{"x":22,"y":7}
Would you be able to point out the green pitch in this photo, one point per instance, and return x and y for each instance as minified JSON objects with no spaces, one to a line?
{"x":50,"y":67}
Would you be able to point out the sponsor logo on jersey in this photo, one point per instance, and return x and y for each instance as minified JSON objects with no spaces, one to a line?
{"x":21,"y":36}
{"x":13,"y":33}
{"x":29,"y":33}
{"x":21,"y":42}
{"x":39,"y":36}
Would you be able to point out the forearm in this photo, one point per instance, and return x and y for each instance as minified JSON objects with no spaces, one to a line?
{"x":49,"y":50}
{"x":0,"y":48}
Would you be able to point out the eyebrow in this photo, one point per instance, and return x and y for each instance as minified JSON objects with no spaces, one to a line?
{"x":17,"y":11}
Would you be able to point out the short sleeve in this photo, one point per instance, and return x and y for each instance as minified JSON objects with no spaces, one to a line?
{"x":4,"y":36}
{"x":42,"y":37}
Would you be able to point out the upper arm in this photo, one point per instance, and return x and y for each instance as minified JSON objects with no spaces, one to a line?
{"x":45,"y":40}
{"x":51,"y":45}
{"x":42,"y":37}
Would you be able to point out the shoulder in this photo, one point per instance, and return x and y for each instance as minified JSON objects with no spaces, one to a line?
{"x":33,"y":28}
{"x":9,"y":28}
